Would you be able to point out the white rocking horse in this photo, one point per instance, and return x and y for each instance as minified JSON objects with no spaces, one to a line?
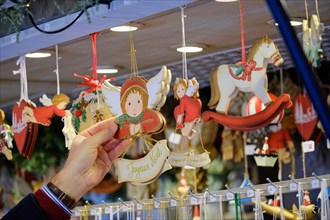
{"x":227,"y":80}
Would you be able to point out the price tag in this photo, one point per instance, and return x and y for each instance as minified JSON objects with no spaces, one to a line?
{"x":230,"y":196}
{"x":213,"y":198}
{"x":293,"y":187}
{"x":271,"y":189}
{"x":156,"y":204}
{"x":139,"y":206}
{"x":93,"y":212}
{"x":125,"y":208}
{"x":249,"y":149}
{"x":315,"y":184}
{"x":77,"y":213}
{"x":193,"y":200}
{"x":173,"y":202}
{"x":108,"y":210}
{"x":250,"y":193}
{"x":308,"y":146}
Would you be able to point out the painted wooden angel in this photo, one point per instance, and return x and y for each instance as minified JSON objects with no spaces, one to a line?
{"x":188,"y":113}
{"x":43,"y":115}
{"x":6,"y":137}
{"x":137,"y":103}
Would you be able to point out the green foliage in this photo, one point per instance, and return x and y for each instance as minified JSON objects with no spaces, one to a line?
{"x":49,"y":151}
{"x":16,"y":16}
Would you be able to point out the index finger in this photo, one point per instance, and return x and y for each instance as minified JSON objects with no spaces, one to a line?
{"x":108,"y":123}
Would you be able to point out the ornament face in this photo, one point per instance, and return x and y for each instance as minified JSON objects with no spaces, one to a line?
{"x":304,"y":115}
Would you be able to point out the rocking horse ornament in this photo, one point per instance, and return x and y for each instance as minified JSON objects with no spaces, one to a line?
{"x":227,"y":80}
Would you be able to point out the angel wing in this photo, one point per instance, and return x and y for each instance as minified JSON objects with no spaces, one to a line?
{"x":192,"y":88}
{"x":112,"y":97}
{"x":158,"y":88}
{"x":45,"y":100}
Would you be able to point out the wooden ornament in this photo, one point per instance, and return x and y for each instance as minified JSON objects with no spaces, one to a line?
{"x":24,"y":132}
{"x":188,"y":113}
{"x":304,"y":115}
{"x":43,"y":115}
{"x":250,"y":76}
{"x":136,"y":105}
{"x":88,"y":109}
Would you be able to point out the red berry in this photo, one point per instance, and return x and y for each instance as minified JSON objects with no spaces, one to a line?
{"x":78,"y":112}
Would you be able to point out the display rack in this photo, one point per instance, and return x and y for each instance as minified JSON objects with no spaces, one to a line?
{"x":268,"y":189}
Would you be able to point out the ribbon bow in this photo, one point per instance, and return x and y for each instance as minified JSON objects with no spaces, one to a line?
{"x":90,"y":82}
{"x":248,"y":67}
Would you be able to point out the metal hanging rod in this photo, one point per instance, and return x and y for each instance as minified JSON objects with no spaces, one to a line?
{"x":288,"y":186}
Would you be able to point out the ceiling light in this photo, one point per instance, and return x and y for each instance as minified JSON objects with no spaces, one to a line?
{"x":106,"y":69}
{"x":124,"y":28}
{"x":39,"y":54}
{"x":190,"y":49}
{"x":294,"y":22}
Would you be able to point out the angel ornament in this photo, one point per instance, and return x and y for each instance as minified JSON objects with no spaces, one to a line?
{"x":190,"y":150}
{"x":188,"y":113}
{"x":136,"y":106}
{"x":6,"y":137}
{"x":44,"y":114}
{"x":137,"y":119}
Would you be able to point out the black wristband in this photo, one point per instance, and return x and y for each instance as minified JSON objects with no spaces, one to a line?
{"x":62,"y":196}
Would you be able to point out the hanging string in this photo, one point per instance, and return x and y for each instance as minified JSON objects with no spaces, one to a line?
{"x":57,"y":71}
{"x":306,"y":10}
{"x":242,"y":30}
{"x":92,"y":82}
{"x":317,"y":9}
{"x":134,"y":69}
{"x":184,"y":53}
{"x":23,"y":79}
{"x":94,"y":54}
{"x":303,"y":159}
{"x":325,"y":209}
{"x":246,"y":170}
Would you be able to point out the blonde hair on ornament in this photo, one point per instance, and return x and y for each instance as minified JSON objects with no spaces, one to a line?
{"x":178,"y":81}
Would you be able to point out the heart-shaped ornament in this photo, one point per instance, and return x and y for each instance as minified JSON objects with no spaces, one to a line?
{"x":19,"y":125}
{"x":305,"y":116}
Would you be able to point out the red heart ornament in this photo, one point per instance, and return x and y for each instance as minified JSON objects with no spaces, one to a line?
{"x":20,"y":126}
{"x":305,"y":116}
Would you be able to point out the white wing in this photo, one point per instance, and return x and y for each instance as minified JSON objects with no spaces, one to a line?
{"x":45,"y":100}
{"x":191,"y":88}
{"x":158,"y":88}
{"x":112,"y":97}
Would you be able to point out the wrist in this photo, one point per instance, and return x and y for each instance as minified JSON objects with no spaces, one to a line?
{"x":70,"y":186}
{"x":60,"y":197}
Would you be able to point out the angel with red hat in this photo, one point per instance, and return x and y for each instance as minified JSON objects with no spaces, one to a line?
{"x":137,"y":103}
